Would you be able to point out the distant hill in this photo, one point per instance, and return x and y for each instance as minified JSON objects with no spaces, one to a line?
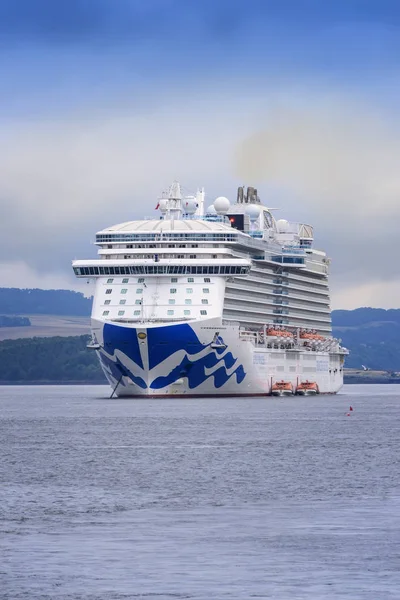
{"x":364,"y":316}
{"x":372,"y":335}
{"x":15,"y":301}
{"x":66,"y":359}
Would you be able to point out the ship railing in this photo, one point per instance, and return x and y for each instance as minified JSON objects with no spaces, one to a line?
{"x":246,"y":240}
{"x":249,"y":336}
{"x":207,"y":217}
{"x":293,"y":250}
{"x":186,"y":217}
{"x":229,"y":323}
{"x":260,"y":338}
{"x":143,"y":321}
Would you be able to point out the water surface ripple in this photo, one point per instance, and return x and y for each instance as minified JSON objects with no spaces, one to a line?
{"x":199,"y":499}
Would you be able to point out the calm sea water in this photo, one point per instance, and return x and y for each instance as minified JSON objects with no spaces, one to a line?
{"x":242,"y":498}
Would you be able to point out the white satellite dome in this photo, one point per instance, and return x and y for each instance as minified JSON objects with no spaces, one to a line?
{"x":282,"y":226}
{"x":163,"y":205}
{"x":253,"y":211}
{"x":211,"y":210}
{"x":221,"y":205}
{"x":190,"y":206}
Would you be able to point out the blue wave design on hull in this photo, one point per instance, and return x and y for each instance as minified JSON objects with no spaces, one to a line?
{"x":117,"y":370}
{"x":195,"y":372}
{"x":125,"y":340}
{"x":163,"y":342}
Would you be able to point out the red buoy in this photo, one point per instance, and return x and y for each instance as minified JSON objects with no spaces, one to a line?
{"x":351,"y":408}
{"x":348,"y":415}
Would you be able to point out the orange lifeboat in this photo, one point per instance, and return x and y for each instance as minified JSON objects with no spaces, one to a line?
{"x":310,"y":335}
{"x":307,"y":388}
{"x":279,"y":333}
{"x":305,"y":335}
{"x":282,"y":388}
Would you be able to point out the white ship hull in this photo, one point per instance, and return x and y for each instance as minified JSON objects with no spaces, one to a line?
{"x":227,"y":302}
{"x":184,"y":359}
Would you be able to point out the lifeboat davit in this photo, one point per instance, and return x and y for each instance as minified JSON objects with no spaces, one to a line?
{"x":282,"y":388}
{"x":307,"y":388}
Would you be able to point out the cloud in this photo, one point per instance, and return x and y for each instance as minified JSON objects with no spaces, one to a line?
{"x":93,"y":14}
{"x":100,"y":23}
{"x":333,"y":164}
{"x":17,"y":274}
{"x":61,"y":181}
{"x":125,"y":21}
{"x":75,"y":21}
{"x":339,"y":162}
{"x":199,"y":91}
{"x":325,"y":150}
{"x":373,"y":293}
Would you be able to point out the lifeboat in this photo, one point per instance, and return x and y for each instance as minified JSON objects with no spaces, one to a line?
{"x":307,"y":388}
{"x":311,"y":335}
{"x":279,"y":333}
{"x":282,"y":388}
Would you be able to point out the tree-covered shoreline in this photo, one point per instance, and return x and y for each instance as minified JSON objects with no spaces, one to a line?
{"x":66,"y":360}
{"x":14,"y":321}
{"x":16,"y":301}
{"x":49,"y":360}
{"x":371,"y":334}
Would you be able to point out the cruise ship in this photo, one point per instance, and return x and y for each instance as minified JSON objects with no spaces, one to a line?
{"x":223,"y":301}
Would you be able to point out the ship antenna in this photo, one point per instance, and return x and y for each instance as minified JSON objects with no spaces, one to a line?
{"x":200,"y":201}
{"x":175,"y":201}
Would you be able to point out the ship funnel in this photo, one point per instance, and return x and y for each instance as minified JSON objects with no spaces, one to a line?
{"x":252,"y":197}
{"x":249,"y":196}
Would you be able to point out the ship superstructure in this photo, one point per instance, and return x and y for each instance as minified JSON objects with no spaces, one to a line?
{"x":206,"y":302}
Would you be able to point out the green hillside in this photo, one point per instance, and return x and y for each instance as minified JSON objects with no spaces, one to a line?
{"x":372,"y":335}
{"x":55,"y":359}
{"x":15,"y":301}
{"x":66,"y":359}
{"x":364,"y":316}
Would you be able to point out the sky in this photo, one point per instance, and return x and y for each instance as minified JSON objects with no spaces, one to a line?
{"x":104,"y":102}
